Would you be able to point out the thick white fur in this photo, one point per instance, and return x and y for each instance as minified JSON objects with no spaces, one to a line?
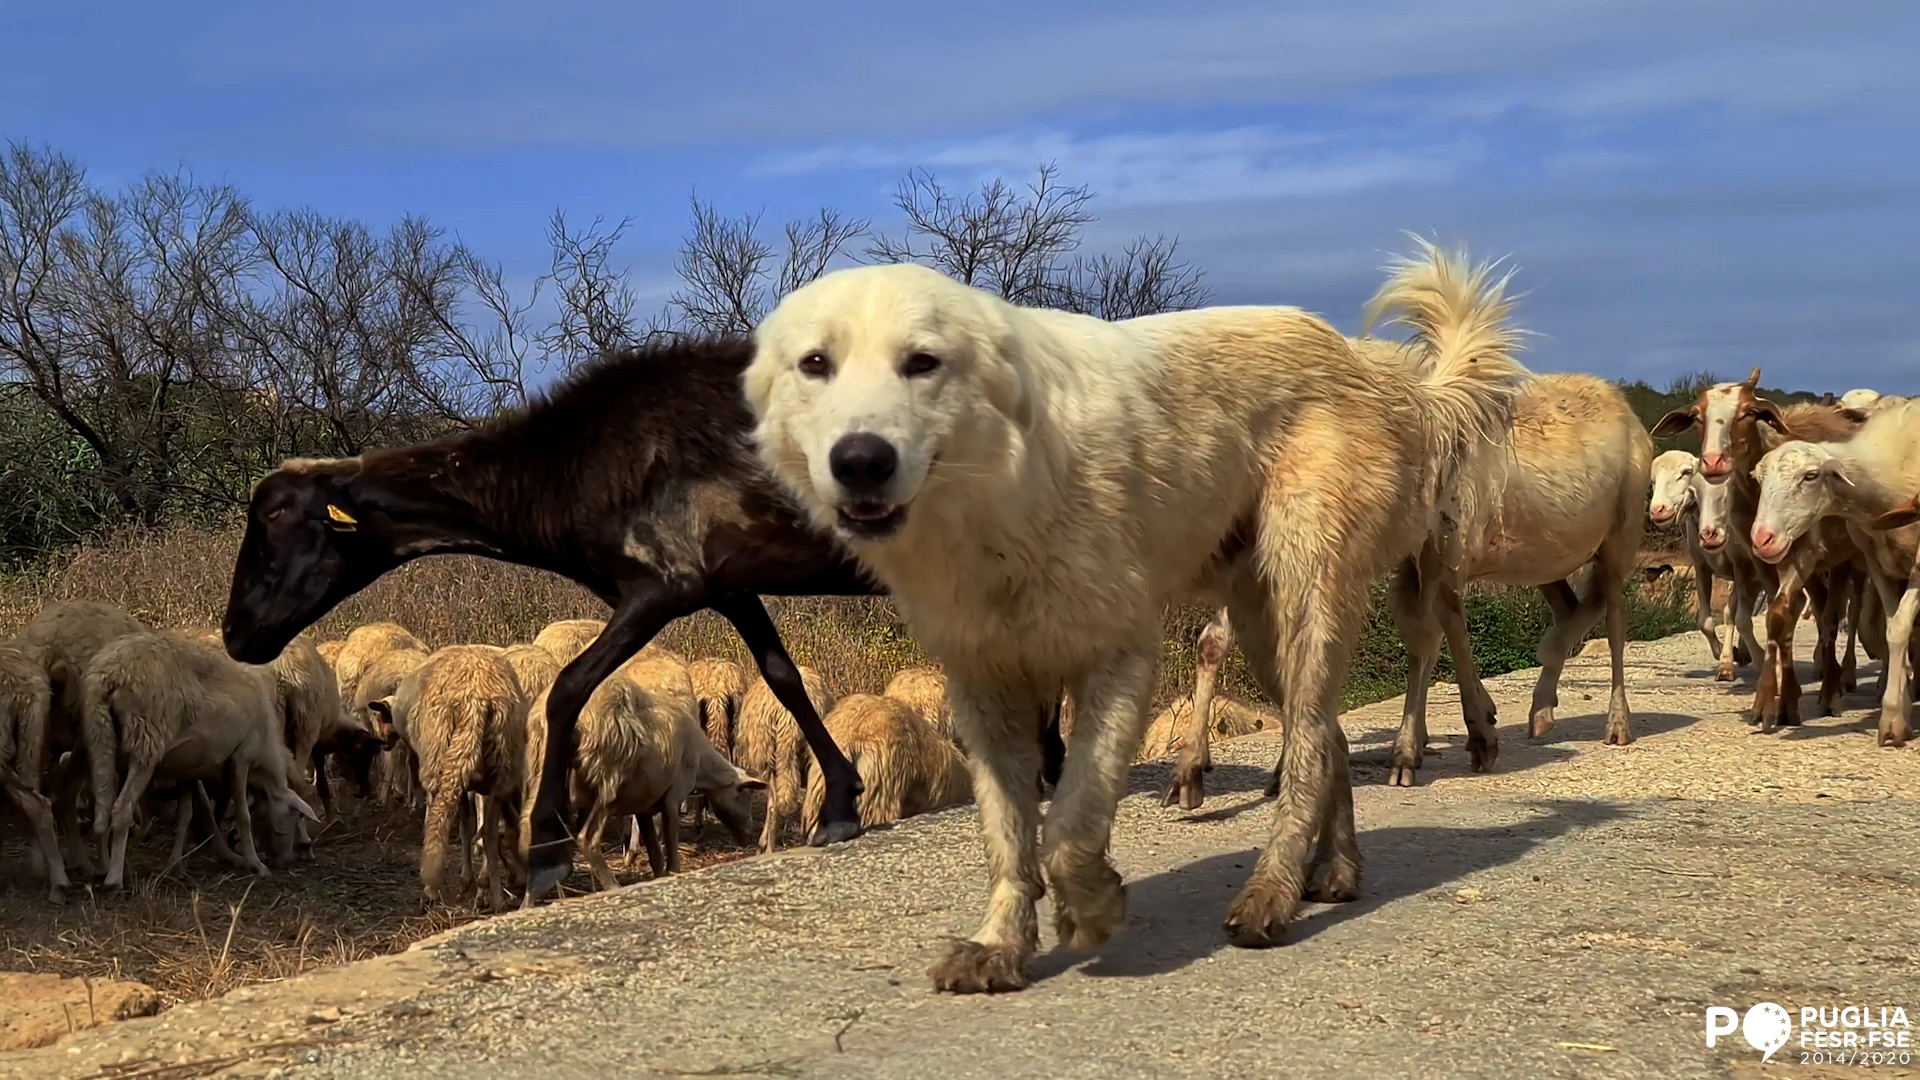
{"x":1065,"y":478}
{"x":1802,"y":483}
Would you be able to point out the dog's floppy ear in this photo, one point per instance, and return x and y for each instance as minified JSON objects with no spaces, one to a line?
{"x":1000,"y":360}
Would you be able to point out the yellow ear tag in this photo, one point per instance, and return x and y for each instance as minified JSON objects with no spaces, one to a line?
{"x":341,"y":519}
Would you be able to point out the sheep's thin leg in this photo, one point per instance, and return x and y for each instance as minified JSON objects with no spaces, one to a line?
{"x":633,"y":843}
{"x":1573,"y":616}
{"x":840,"y":813}
{"x":1188,"y":786}
{"x":216,"y":835}
{"x":650,"y":841}
{"x":243,"y":816}
{"x":1745,"y":596}
{"x":1413,"y":601}
{"x":670,"y":833}
{"x":68,"y":780}
{"x":1830,"y":606}
{"x":1782,"y":707}
{"x":1703,"y":614}
{"x":442,"y":807}
{"x":1476,"y":705}
{"x":120,"y":821}
{"x":182,"y":824}
{"x":39,"y":813}
{"x":1896,"y":696}
{"x":997,"y":725}
{"x":1619,"y":731}
{"x":1855,"y":600}
{"x":469,"y":804}
{"x":490,"y":854}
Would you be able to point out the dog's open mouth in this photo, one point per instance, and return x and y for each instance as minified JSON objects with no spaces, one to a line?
{"x":871,"y":519}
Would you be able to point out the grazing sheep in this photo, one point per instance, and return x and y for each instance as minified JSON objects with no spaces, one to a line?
{"x":1901,"y":615}
{"x":1862,"y":399}
{"x":26,"y":701}
{"x":363,"y":646}
{"x":161,"y":706}
{"x":379,"y":680}
{"x":641,"y":751}
{"x":1702,"y":509}
{"x":67,"y":634}
{"x":568,"y":638}
{"x":535,"y":666}
{"x":1230,"y":720}
{"x":767,"y":743}
{"x":1736,"y":427}
{"x":925,"y":690}
{"x":1033,"y":487}
{"x":1858,"y":481}
{"x":465,"y":717}
{"x":718,"y":685}
{"x":909,"y":768}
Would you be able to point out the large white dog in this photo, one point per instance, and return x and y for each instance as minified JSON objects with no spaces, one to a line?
{"x":1034,"y":487}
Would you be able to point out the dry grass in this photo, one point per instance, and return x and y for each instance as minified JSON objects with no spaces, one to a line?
{"x":200,"y":930}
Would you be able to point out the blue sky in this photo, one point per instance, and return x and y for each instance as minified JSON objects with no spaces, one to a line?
{"x":1683,"y":185}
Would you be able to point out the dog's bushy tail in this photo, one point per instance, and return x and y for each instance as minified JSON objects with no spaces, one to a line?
{"x":1469,"y":381}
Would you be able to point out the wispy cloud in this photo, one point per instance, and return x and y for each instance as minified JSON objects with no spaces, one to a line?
{"x":1159,"y":168}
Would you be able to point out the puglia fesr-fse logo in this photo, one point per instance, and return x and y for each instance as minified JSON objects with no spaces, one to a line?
{"x":1829,"y":1034}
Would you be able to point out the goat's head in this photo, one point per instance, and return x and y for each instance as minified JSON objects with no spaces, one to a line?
{"x":1717,"y":411}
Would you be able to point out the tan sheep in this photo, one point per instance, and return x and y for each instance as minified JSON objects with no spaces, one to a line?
{"x":172,"y":709}
{"x":767,"y":743}
{"x":1230,"y":719}
{"x":330,"y":652}
{"x":465,"y":716}
{"x":925,"y":690}
{"x":908,"y":767}
{"x":367,"y":644}
{"x":568,"y":638}
{"x":26,"y":700}
{"x":67,"y":635}
{"x":535,"y":667}
{"x":377,"y":680}
{"x":639,"y":750}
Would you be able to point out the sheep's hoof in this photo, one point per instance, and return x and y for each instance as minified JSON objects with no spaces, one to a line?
{"x":1541,"y":722}
{"x":1402,"y":776}
{"x":1894,"y":734}
{"x":1482,"y":751}
{"x":1724,"y":673}
{"x":1259,"y":916}
{"x":547,"y":867}
{"x":1335,"y":881}
{"x":1741,"y":655}
{"x":1089,"y":906}
{"x":1188,"y":787}
{"x":976,"y":968}
{"x":1618,"y":734}
{"x":57,"y":895}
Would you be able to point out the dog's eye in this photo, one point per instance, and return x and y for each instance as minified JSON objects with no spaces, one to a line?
{"x":815,"y":366}
{"x":920,"y":364}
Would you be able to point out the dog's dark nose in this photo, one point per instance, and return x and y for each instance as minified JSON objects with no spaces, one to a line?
{"x":863,"y":462}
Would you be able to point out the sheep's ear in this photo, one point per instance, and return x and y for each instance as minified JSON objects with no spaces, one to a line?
{"x":1767,"y":413}
{"x":1835,"y":472}
{"x":1855,"y":415}
{"x":1907,"y":513}
{"x":1674,"y":423}
{"x":299,"y":806}
{"x":749,"y":782}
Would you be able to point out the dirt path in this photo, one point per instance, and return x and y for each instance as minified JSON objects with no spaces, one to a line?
{"x":1511,"y":925}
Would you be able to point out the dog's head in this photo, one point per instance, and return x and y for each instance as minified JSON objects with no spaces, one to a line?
{"x":869,"y":383}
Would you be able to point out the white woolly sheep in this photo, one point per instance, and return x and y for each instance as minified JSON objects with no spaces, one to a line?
{"x":377,"y":680}
{"x":767,"y":743}
{"x":718,"y":686}
{"x":329,"y":651}
{"x":1703,"y":509}
{"x":1858,"y":480}
{"x":67,"y":634}
{"x":1228,"y":719}
{"x":638,"y":750}
{"x":568,"y":638}
{"x":908,"y":767}
{"x":925,"y":690}
{"x":1862,"y":399}
{"x":465,"y":717}
{"x":172,"y":709}
{"x":366,"y":644}
{"x":26,"y":701}
{"x":534,"y":666}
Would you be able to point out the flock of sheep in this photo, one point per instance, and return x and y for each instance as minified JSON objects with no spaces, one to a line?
{"x":1032,"y":488}
{"x":165,"y":719}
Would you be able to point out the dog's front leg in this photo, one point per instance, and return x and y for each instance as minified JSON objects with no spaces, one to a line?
{"x":998,"y":724}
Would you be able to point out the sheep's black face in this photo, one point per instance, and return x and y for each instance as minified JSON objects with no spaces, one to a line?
{"x":305,"y":550}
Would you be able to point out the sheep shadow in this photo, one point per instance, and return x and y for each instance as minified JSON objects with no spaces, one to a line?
{"x":1174,"y":917}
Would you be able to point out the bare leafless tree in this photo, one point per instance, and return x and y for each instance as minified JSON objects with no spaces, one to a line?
{"x":1023,"y":245}
{"x":595,"y":301}
{"x":729,"y":271}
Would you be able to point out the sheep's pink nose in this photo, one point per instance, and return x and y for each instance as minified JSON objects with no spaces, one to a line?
{"x":1713,"y":464}
{"x":1764,"y":538}
{"x":1712,"y":537}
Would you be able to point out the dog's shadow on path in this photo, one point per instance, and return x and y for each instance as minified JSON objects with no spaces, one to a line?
{"x":1173,"y":918}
